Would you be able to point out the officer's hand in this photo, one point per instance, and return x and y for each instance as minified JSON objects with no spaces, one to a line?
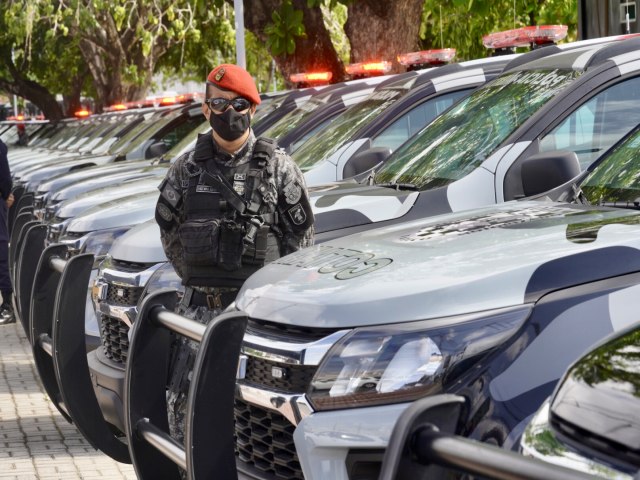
{"x":10,"y":199}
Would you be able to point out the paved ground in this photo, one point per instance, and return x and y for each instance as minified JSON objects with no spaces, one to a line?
{"x":36,"y":442}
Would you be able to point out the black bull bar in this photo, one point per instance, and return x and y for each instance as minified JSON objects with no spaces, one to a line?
{"x":29,"y":247}
{"x":209,"y":425}
{"x":423,"y":444}
{"x":59,"y":347}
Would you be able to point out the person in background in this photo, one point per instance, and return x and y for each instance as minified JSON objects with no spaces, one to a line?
{"x":6,"y":289}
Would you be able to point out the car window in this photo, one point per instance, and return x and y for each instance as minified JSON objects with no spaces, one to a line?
{"x":413,"y":121}
{"x":326,"y":142}
{"x":178,"y":133}
{"x":462,"y":138}
{"x":617,"y":178}
{"x":598,"y":124}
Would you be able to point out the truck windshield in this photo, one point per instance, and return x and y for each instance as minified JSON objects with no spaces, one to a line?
{"x":461,"y":139}
{"x":296,"y":117}
{"x":325,"y":143}
{"x":617,"y":177}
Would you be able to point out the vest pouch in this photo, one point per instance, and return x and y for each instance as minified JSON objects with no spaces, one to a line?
{"x":200,"y":240}
{"x":230,"y":247}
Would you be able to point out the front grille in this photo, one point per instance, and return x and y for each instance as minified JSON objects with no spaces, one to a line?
{"x":264,"y":439}
{"x":288,"y":333}
{"x":71,"y":235}
{"x":115,"y":341}
{"x":122,"y":295}
{"x":288,"y":378}
{"x":130,"y":266}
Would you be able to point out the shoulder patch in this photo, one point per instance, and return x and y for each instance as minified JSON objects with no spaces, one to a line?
{"x":164,"y":212}
{"x":297,"y":214}
{"x":292,"y":192}
{"x":171,"y":195}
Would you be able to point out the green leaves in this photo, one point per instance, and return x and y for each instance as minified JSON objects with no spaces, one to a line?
{"x":286,"y":24}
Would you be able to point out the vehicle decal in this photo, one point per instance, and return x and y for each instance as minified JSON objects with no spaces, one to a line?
{"x":486,"y":221}
{"x":580,"y":268}
{"x":590,"y":318}
{"x":344,"y":263}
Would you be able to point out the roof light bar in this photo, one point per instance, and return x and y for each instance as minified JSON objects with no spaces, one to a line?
{"x":368,"y":68}
{"x":520,"y":37}
{"x":315,"y":77}
{"x":82,"y":113}
{"x":427,"y":57}
{"x":116,"y":107}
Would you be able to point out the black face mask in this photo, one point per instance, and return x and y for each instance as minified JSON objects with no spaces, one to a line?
{"x":230,"y":125}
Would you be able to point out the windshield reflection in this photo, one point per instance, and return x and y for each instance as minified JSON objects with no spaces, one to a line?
{"x":617,"y":178}
{"x":461,"y":139}
{"x":326,"y":143}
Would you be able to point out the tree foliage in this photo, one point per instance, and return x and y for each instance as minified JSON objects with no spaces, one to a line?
{"x":460,"y":24}
{"x":110,"y":49}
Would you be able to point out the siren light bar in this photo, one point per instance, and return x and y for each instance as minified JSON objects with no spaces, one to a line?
{"x":82,"y":113}
{"x":315,"y":77}
{"x":520,"y":37}
{"x":368,"y":68}
{"x":427,"y":57}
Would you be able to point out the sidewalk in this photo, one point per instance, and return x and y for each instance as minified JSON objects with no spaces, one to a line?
{"x":36,"y":442}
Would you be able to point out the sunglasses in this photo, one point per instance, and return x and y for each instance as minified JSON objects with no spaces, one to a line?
{"x":221,"y":104}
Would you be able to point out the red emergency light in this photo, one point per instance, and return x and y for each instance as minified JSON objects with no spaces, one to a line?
{"x":525,"y":36}
{"x":189,"y":97}
{"x":115,"y":108}
{"x":82,"y":113}
{"x":368,"y":68}
{"x":315,"y":77}
{"x":427,"y":57}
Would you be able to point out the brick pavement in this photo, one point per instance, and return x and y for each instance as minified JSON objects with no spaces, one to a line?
{"x":36,"y":442}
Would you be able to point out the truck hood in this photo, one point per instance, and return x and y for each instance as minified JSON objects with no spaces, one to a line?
{"x":59,"y":167}
{"x":112,"y":180}
{"x":135,"y":244}
{"x":42,"y":158}
{"x":75,"y":206}
{"x":347,"y":204}
{"x":120,"y":212}
{"x":477,"y":260}
{"x":88,"y":174}
{"x":600,"y":394}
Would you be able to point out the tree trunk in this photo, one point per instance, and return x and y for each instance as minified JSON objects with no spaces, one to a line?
{"x":381,"y":30}
{"x":314,"y":52}
{"x":32,"y":91}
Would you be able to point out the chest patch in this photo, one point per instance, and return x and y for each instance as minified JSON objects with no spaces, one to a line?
{"x":205,"y":189}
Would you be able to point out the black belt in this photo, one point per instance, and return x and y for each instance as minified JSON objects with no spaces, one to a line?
{"x":216,"y":299}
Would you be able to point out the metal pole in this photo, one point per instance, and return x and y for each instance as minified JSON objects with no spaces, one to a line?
{"x":162,"y":442}
{"x":238,"y":7}
{"x":481,"y":459}
{"x":179,"y":324}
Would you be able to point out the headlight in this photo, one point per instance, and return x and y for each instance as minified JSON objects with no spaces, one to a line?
{"x":403,"y":362}
{"x":100,"y":241}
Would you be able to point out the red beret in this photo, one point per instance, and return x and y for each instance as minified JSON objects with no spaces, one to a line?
{"x":235,"y":78}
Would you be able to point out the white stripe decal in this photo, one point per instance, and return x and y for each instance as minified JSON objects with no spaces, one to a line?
{"x":458,"y":78}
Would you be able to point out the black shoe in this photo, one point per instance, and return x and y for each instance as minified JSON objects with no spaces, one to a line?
{"x":6,"y":314}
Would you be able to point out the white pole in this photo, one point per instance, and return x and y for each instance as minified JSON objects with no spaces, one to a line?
{"x":15,"y":105}
{"x":238,"y":7}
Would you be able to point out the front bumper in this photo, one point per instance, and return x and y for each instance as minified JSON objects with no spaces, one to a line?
{"x":107,"y":379}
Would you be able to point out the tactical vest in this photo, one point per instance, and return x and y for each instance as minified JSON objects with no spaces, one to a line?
{"x":228,"y":232}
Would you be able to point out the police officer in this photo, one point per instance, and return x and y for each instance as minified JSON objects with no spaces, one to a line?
{"x":225,"y":209}
{"x":6,"y":310}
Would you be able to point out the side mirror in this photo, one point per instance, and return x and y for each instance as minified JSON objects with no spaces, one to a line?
{"x":544,"y":171}
{"x":365,"y":160}
{"x":156,"y":150}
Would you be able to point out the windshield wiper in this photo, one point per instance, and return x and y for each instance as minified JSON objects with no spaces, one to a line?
{"x":633,"y":205}
{"x":398,"y":186}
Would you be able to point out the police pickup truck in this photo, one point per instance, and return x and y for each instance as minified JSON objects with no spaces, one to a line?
{"x":491,"y":304}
